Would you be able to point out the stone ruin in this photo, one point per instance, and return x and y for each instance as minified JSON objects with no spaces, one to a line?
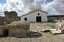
{"x":60,"y":25}
{"x":10,"y":25}
{"x":16,"y":28}
{"x":10,"y":17}
{"x":1,"y":20}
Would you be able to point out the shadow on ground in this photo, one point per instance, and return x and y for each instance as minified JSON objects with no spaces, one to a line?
{"x":34,"y":34}
{"x":30,"y":35}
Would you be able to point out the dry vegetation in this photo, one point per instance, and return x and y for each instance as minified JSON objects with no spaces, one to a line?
{"x":41,"y":26}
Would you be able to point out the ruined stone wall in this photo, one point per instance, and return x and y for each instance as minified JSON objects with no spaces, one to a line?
{"x":1,"y":20}
{"x":10,"y":17}
{"x":16,"y":28}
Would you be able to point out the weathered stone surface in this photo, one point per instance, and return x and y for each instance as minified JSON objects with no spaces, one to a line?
{"x":54,"y":31}
{"x":1,"y":30}
{"x":10,"y":17}
{"x":58,"y":25}
{"x":1,"y":20}
{"x":13,"y":25}
{"x":62,"y":26}
{"x":18,"y":28}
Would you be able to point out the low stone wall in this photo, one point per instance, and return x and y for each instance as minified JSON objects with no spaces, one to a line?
{"x":18,"y":28}
{"x":1,"y":30}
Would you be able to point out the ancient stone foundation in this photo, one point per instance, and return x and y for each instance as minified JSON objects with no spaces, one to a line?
{"x":60,"y":25}
{"x":12,"y":26}
{"x":17,"y":29}
{"x":10,"y":17}
{"x":1,"y":20}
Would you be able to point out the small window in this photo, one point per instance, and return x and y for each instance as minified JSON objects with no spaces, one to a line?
{"x":38,"y":14}
{"x":25,"y":19}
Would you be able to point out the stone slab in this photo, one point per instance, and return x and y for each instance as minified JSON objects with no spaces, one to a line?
{"x":54,"y":31}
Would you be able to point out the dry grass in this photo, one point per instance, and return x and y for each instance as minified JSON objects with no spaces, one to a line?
{"x":41,"y":26}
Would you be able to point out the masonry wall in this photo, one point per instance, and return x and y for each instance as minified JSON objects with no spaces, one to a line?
{"x":10,"y":17}
{"x":1,"y":20}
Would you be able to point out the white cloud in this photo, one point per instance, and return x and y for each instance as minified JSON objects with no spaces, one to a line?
{"x":21,"y":6}
{"x":61,"y":1}
{"x":34,"y":4}
{"x":15,"y":5}
{"x":57,"y":6}
{"x":24,"y":6}
{"x":2,"y":9}
{"x":25,"y":2}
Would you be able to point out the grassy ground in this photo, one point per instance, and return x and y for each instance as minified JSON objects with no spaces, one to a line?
{"x":41,"y":26}
{"x":46,"y":37}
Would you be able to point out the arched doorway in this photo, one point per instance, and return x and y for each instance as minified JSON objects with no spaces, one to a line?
{"x":5,"y":32}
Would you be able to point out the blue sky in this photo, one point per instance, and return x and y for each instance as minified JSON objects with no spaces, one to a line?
{"x":4,"y":1}
{"x":49,"y":0}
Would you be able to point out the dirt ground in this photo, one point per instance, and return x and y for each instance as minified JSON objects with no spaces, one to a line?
{"x":46,"y":37}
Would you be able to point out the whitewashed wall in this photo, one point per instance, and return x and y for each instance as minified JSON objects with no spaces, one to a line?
{"x":32,"y":17}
